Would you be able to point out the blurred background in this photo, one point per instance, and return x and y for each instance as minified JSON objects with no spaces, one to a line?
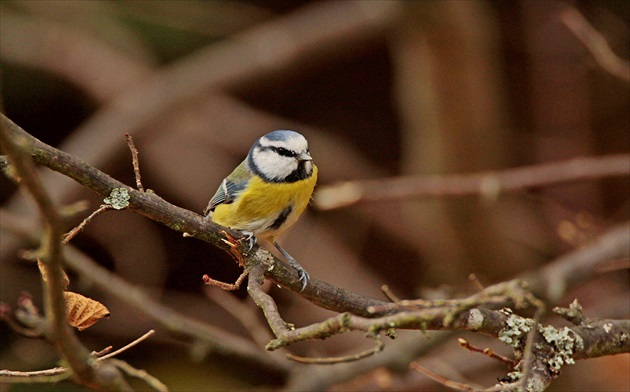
{"x":380,"y":89}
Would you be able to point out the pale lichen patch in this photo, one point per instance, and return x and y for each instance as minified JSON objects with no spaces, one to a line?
{"x":564,"y":343}
{"x":118,"y":198}
{"x":515,"y":331}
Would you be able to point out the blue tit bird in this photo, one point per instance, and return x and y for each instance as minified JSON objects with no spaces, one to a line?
{"x":268,"y":191}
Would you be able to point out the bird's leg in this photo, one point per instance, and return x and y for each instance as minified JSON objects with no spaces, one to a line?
{"x":304,"y":277}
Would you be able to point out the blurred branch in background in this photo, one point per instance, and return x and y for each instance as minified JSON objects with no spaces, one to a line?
{"x":486,"y":185}
{"x":596,"y":44}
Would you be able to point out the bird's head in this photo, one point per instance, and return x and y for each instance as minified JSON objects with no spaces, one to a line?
{"x":281,"y":156}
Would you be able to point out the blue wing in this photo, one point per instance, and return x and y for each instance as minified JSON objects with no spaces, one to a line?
{"x":230,"y":188}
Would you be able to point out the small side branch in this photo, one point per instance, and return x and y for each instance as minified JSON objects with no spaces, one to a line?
{"x":226,"y":286}
{"x":130,"y":345}
{"x":72,"y":233}
{"x":487,"y":352}
{"x":135,"y":162}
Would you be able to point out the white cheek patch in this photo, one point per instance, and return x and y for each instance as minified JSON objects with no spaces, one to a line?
{"x":272,"y":165}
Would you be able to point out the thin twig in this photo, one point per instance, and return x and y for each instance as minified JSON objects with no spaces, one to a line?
{"x":335,"y":360}
{"x":130,"y":345}
{"x":135,"y":161}
{"x":53,"y":375}
{"x":72,"y":233}
{"x":488,"y":352}
{"x":226,"y":286}
{"x":34,"y":373}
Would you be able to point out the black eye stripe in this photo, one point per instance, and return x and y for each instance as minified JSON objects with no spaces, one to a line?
{"x":283,"y":151}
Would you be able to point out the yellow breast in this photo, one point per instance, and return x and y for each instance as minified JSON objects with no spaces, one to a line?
{"x":266,"y":208}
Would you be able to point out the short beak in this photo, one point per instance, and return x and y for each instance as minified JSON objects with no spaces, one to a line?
{"x":304,"y":156}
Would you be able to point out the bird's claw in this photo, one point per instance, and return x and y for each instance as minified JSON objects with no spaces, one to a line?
{"x":250,"y":238}
{"x":302,"y":274}
{"x":304,"y":277}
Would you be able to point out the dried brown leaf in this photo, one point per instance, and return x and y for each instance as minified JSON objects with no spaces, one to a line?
{"x":83,"y":312}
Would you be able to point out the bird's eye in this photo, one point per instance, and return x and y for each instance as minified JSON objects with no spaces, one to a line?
{"x":284,"y":152}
